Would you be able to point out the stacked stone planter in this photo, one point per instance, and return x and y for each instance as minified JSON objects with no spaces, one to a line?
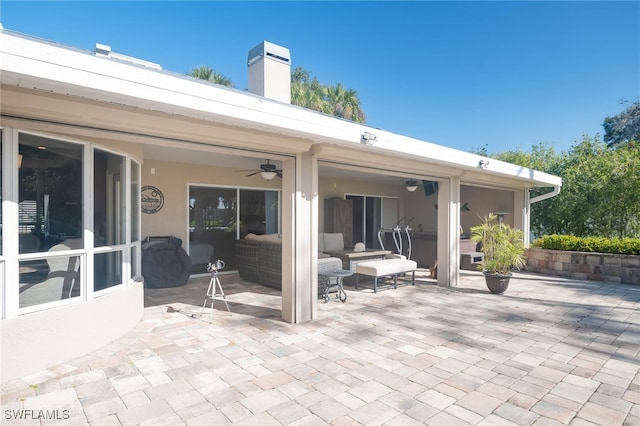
{"x":617,"y":268}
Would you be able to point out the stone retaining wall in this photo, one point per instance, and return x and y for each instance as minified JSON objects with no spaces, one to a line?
{"x":618,"y":268}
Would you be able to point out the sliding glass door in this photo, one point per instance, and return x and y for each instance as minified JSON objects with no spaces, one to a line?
{"x":219,"y":216}
{"x":370,"y":214}
{"x":258,"y":212}
{"x":212,"y":225}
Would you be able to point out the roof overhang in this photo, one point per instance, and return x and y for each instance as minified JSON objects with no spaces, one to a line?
{"x":135,"y":94}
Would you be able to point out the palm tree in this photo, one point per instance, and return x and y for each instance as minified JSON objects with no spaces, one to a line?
{"x":208,"y":74}
{"x":334,"y":100}
{"x":306,"y":92}
{"x":309,"y":95}
{"x":345,"y":103}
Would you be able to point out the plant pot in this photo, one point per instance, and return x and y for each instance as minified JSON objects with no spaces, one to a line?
{"x":496,"y":283}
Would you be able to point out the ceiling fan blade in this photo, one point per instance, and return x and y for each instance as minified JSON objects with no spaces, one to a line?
{"x":254,"y":173}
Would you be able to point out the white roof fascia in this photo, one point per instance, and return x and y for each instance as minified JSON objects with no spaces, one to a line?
{"x":465,"y":160}
{"x":37,"y":64}
{"x":51,"y":67}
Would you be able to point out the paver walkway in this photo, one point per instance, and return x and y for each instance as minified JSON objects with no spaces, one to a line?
{"x":549,"y":351}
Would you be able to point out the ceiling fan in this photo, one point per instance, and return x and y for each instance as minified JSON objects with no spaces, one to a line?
{"x":267,"y":170}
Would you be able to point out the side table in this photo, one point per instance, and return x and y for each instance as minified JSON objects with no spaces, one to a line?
{"x":338,"y":274}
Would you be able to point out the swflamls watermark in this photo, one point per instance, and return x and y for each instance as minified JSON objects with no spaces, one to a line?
{"x":36,"y":414}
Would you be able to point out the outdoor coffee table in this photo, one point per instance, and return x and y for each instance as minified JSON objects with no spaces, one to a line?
{"x":338,"y":274}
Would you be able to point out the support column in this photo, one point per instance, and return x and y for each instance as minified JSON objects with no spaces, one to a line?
{"x":449,"y":232}
{"x":289,"y":191}
{"x":307,"y":238}
{"x":9,"y":293}
{"x":521,"y":213}
{"x":299,"y":238}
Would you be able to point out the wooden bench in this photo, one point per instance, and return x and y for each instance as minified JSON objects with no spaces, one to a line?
{"x":386,"y":268}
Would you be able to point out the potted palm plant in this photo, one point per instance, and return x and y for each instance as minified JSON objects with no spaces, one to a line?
{"x":503,"y":249}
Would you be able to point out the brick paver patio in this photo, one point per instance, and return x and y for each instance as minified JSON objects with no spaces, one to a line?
{"x":549,"y":351}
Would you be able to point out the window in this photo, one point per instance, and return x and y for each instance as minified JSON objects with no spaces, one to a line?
{"x":213,"y":221}
{"x":212,"y":225}
{"x":109,"y":219}
{"x":258,"y":212}
{"x":370,"y":214}
{"x":49,"y":218}
{"x":135,"y":201}
{"x":135,"y":220}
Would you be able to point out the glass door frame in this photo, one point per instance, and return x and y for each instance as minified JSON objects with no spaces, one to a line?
{"x":238,"y":189}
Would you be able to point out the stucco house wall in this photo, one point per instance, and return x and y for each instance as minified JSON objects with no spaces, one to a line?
{"x":173,"y":179}
{"x":480,"y":200}
{"x":338,"y":188}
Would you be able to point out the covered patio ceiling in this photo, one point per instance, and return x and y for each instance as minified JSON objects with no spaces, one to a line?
{"x":252,"y":160}
{"x":387,"y":172}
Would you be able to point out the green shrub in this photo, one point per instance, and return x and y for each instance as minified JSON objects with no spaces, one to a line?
{"x":589,"y":244}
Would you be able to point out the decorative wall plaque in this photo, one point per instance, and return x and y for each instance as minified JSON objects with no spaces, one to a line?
{"x":152,"y":199}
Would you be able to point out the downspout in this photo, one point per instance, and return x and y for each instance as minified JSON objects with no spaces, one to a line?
{"x":556,"y":191}
{"x":553,"y":193}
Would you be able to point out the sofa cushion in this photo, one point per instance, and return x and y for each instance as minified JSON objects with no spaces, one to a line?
{"x":384,"y":267}
{"x":268,"y":238}
{"x":333,"y":241}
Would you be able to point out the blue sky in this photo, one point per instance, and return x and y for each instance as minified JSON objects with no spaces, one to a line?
{"x":460,"y":74}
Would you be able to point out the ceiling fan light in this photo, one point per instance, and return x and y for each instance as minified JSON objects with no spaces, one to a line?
{"x":411,"y":185}
{"x":268,"y":175}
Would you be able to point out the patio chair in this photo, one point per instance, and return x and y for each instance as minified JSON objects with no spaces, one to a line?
{"x":61,"y":279}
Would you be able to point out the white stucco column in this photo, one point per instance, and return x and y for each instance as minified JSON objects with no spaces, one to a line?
{"x":289,"y":196}
{"x":299,"y":238}
{"x":307,"y":238}
{"x":9,"y":295}
{"x":449,"y":232}
{"x":521,"y":213}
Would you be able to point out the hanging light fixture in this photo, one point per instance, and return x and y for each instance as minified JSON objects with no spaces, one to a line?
{"x":268,"y":175}
{"x":411,"y":185}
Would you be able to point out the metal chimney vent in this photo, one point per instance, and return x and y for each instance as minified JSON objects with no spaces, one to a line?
{"x":270,"y":50}
{"x":270,"y":71}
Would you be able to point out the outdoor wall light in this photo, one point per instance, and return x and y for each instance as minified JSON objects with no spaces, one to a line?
{"x":411,"y":185}
{"x":483,"y":164}
{"x":268,"y":175}
{"x":368,"y":138}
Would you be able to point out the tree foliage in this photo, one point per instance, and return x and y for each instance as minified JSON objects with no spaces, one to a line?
{"x":335,"y":100}
{"x":623,"y":128}
{"x":208,"y":74}
{"x":600,"y":194}
{"x":307,"y":92}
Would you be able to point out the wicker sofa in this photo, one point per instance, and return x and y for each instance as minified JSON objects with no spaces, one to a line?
{"x":259,"y":257}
